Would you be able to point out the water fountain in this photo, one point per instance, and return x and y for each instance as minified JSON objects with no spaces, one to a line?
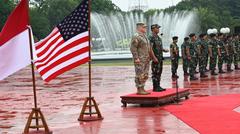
{"x":112,"y":33}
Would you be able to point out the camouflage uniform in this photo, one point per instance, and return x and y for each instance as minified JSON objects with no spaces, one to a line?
{"x":140,"y":48}
{"x":222,"y":58}
{"x":193,"y":60}
{"x":205,"y":54}
{"x":230,"y":48}
{"x":184,"y":57}
{"x":235,"y":48}
{"x":174,"y":58}
{"x":156,"y":43}
{"x":202,"y":55}
{"x":213,"y":60}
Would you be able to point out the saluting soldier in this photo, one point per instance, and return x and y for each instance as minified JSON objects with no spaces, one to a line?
{"x":142,"y":54}
{"x":157,"y":47}
{"x":213,"y":53}
{"x":174,"y":53}
{"x":192,"y":56}
{"x":222,"y":52}
{"x":184,"y":56}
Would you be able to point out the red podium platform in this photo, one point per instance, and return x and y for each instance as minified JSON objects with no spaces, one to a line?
{"x":155,"y":98}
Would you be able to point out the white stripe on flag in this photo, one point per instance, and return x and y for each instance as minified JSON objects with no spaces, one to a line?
{"x":48,"y":42}
{"x":64,"y":64}
{"x":62,"y":55}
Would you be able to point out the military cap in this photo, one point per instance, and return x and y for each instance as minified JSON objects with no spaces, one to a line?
{"x":212,"y":35}
{"x":141,"y":24}
{"x":202,"y":35}
{"x":235,"y":35}
{"x":192,"y":34}
{"x":220,"y":34}
{"x":186,"y":38}
{"x":155,"y":26}
{"x":175,"y":38}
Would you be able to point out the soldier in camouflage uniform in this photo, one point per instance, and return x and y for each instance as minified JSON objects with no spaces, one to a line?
{"x":201,"y":54}
{"x":174,"y":54}
{"x":185,"y":60}
{"x":236,"y":54}
{"x":157,"y":47}
{"x":230,"y":51}
{"x":142,"y":53}
{"x":192,"y":53}
{"x":222,"y":52}
{"x":213,"y":53}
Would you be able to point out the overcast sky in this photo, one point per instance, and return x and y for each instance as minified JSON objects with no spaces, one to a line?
{"x":158,"y":4}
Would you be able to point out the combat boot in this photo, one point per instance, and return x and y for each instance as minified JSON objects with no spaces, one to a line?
{"x":213,"y":73}
{"x":193,"y":78}
{"x":186,"y":74}
{"x":229,"y":69}
{"x":159,"y":89}
{"x":236,"y":67}
{"x":202,"y":75}
{"x":221,"y":71}
{"x":175,"y":76}
{"x":141,"y":91}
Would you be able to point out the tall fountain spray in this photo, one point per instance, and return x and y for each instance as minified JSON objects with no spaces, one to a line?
{"x":112,"y":33}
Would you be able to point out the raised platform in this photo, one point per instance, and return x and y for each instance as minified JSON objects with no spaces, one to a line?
{"x":155,"y":98}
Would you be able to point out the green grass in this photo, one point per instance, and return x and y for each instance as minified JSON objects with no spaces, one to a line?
{"x":127,"y":62}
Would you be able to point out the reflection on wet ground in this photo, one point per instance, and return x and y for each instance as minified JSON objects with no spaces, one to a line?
{"x":61,"y":101}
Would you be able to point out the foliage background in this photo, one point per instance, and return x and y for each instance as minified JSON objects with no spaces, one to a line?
{"x":45,"y":14}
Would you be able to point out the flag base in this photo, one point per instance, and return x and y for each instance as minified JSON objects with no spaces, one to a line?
{"x":90,"y":103}
{"x":37,"y":115}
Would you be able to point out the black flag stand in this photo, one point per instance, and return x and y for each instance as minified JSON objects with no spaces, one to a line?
{"x":36,"y":113}
{"x":87,"y":113}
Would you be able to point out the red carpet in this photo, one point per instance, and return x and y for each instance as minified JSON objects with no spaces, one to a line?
{"x":210,"y":115}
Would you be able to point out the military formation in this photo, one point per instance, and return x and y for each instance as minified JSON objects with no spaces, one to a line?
{"x":206,"y":52}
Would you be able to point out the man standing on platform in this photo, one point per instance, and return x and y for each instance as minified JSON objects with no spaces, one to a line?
{"x":157,"y":47}
{"x":174,"y":54}
{"x":142,"y":54}
{"x":184,"y":56}
{"x":192,"y":56}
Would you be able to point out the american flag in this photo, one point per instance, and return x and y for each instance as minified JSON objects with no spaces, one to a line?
{"x":66,"y":47}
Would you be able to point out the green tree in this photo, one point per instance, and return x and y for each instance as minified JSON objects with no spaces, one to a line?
{"x":40,"y":23}
{"x":104,"y":6}
{"x":6,"y":6}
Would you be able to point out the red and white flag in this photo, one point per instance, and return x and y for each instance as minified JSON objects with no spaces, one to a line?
{"x":14,"y":41}
{"x":66,"y":47}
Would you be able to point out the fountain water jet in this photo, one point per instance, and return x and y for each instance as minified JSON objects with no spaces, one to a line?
{"x":112,"y":33}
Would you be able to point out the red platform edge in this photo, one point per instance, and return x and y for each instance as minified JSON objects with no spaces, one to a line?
{"x":168,"y":92}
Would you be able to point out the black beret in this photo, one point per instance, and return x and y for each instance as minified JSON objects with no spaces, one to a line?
{"x":192,"y":34}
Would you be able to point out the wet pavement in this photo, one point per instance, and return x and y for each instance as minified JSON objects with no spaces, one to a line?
{"x":61,"y":101}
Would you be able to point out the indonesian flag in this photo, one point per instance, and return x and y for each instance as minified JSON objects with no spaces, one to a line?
{"x":14,"y":41}
{"x":66,"y":47}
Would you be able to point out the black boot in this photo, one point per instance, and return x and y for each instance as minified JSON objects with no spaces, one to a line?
{"x":202,"y":75}
{"x":236,"y":67}
{"x":221,"y":71}
{"x":186,"y":74}
{"x":229,"y":69}
{"x":213,"y":73}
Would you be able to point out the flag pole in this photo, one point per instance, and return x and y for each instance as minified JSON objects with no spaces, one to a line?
{"x":90,"y":101}
{"x":36,"y":112}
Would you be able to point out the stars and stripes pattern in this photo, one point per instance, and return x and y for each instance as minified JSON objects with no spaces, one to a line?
{"x":66,"y":47}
